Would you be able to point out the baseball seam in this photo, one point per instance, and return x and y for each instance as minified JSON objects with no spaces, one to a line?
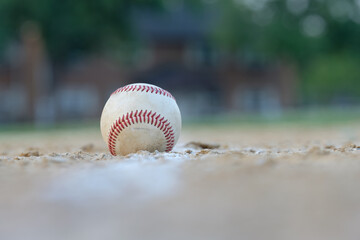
{"x":143,"y":88}
{"x":148,"y":117}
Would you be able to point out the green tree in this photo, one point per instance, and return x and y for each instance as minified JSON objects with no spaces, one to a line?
{"x":333,"y":78}
{"x":321,"y":37}
{"x":71,"y":26}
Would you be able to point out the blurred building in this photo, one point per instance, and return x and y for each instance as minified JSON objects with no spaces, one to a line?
{"x":84,"y":85}
{"x":32,"y":91}
{"x":175,"y":55}
{"x":26,"y":79}
{"x":259,"y":87}
{"x":175,"y":52}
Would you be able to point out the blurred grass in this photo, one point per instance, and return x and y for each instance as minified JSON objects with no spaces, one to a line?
{"x":309,"y":117}
{"x":27,"y":127}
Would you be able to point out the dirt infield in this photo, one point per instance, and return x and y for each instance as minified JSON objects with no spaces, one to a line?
{"x":258,"y":182}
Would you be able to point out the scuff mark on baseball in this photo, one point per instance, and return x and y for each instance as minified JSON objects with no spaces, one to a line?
{"x":140,"y":117}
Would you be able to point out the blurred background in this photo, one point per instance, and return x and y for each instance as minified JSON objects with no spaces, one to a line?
{"x":60,"y":60}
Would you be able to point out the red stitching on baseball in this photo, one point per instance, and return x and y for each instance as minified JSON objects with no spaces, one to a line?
{"x":128,"y":119}
{"x":142,"y":88}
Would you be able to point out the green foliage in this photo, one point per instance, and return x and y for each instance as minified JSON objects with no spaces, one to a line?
{"x":328,"y":61}
{"x":263,"y":29}
{"x":271,"y":31}
{"x":333,"y":78}
{"x":71,"y":26}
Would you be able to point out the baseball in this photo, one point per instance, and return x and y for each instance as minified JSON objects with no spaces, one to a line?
{"x":140,"y":117}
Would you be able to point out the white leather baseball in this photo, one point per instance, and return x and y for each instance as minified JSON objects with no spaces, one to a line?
{"x":140,"y":117}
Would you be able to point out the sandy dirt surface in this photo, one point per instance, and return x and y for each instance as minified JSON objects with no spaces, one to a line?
{"x":258,"y":182}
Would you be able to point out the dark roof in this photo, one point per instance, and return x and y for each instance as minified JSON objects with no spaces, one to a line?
{"x":176,"y":24}
{"x":176,"y":77}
